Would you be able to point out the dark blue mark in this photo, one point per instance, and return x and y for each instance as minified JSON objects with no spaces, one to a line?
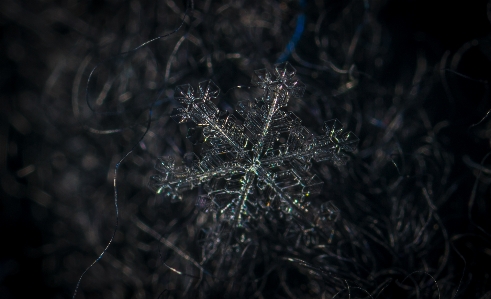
{"x":296,"y":35}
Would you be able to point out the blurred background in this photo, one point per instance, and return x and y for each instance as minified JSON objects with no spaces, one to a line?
{"x":409,"y":78}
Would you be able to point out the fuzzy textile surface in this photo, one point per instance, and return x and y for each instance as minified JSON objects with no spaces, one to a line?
{"x":395,"y":205}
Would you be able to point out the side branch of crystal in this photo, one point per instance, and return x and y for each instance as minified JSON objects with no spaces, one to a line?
{"x":256,"y":160}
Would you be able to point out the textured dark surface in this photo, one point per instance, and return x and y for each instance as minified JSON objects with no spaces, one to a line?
{"x":57,"y":155}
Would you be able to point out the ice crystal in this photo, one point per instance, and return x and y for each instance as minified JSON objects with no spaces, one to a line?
{"x":256,"y":160}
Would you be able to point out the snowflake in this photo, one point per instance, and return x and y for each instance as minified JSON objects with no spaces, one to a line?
{"x":256,"y":160}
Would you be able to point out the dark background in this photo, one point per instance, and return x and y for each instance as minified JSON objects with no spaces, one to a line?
{"x":34,"y":36}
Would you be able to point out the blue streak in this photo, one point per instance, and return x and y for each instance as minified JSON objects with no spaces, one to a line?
{"x":296,"y":35}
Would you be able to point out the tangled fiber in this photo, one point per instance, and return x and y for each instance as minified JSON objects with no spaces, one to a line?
{"x":87,"y":91}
